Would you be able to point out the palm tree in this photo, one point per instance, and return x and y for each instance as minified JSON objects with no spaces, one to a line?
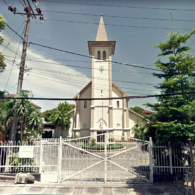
{"x":59,"y":116}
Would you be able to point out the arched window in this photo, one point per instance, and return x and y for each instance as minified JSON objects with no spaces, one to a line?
{"x":98,"y":55}
{"x":85,"y":104}
{"x":104,"y":55}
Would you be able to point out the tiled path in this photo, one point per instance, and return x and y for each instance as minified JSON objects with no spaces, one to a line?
{"x":98,"y":190}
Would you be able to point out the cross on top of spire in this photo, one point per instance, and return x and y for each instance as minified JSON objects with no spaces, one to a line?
{"x":101,"y":34}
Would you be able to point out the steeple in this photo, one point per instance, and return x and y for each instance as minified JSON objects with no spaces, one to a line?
{"x":101,"y":34}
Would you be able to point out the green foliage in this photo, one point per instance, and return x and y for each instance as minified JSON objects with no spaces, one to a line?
{"x":30,"y":116}
{"x":18,"y":162}
{"x":59,"y":117}
{"x":174,"y":120}
{"x":101,"y":147}
{"x":2,"y":26}
{"x":139,"y":130}
{"x":47,"y":115}
{"x":93,"y":141}
{"x":139,"y":111}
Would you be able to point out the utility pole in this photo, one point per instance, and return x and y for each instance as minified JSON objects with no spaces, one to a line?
{"x":30,"y":13}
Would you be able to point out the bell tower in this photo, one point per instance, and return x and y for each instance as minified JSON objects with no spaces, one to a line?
{"x":101,"y":51}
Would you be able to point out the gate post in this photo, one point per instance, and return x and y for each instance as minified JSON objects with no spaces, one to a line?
{"x":105,"y":158}
{"x":59,"y":159}
{"x":170,"y":159}
{"x":151,"y":161}
{"x":41,"y":157}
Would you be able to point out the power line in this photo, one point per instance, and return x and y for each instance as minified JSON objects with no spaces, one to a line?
{"x":85,"y":67}
{"x":13,"y":63}
{"x":59,"y":72}
{"x":125,"y":17}
{"x":134,"y":7}
{"x":14,"y":31}
{"x":63,"y":90}
{"x":82,"y":99}
{"x":29,"y":59}
{"x":121,"y":25}
{"x":10,"y":49}
{"x":86,"y":56}
{"x":12,"y":38}
{"x":72,"y":83}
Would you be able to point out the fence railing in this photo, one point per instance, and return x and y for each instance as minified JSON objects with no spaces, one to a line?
{"x":53,"y":139}
{"x":20,"y":157}
{"x":175,"y":159}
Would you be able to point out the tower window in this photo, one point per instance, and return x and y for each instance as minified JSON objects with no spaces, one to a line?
{"x":101,"y":92}
{"x":117,"y":104}
{"x":85,"y":104}
{"x":104,"y":55}
{"x":98,"y":55}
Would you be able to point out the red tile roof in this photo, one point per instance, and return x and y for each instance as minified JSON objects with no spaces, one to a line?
{"x":147,"y":112}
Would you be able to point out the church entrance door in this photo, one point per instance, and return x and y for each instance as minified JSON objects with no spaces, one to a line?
{"x":101,"y":136}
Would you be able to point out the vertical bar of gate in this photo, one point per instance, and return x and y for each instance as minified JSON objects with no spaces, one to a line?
{"x":151,"y":161}
{"x":170,"y":159}
{"x":59,"y":159}
{"x":105,"y":158}
{"x":41,"y":157}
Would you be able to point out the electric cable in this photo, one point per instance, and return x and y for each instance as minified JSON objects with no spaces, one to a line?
{"x":117,"y":25}
{"x":82,"y":99}
{"x":14,"y":31}
{"x":86,"y":56}
{"x":134,"y":7}
{"x":60,"y":72}
{"x":125,"y":17}
{"x":13,"y":62}
{"x":12,"y":37}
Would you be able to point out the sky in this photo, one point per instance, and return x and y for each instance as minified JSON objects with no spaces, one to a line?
{"x":55,"y":74}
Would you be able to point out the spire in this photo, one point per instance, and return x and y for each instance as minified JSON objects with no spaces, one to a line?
{"x":101,"y":34}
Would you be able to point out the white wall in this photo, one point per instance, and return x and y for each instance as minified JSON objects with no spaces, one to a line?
{"x":85,"y":113}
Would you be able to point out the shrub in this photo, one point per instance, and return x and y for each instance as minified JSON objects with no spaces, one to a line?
{"x":93,"y":141}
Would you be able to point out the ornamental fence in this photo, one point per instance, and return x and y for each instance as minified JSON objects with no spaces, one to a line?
{"x":44,"y":156}
{"x":172,"y":159}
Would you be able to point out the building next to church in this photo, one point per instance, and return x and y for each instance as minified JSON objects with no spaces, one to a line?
{"x":90,"y":118}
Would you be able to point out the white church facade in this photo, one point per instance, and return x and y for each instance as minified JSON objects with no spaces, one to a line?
{"x":90,"y":118}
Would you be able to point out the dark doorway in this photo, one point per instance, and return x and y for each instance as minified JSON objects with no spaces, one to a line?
{"x":47,"y":134}
{"x":100,"y":138}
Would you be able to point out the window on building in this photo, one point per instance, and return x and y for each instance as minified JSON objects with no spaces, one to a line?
{"x":117,"y":104}
{"x":104,"y":55}
{"x":101,"y":92}
{"x":85,"y":104}
{"x":98,"y":55}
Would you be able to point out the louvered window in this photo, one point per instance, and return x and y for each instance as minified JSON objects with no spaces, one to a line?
{"x":104,"y":55}
{"x":98,"y":55}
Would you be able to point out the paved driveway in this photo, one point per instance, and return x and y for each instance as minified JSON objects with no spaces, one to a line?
{"x":89,"y":190}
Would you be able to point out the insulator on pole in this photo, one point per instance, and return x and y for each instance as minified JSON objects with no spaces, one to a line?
{"x":10,"y":8}
{"x":26,"y":9}
{"x":38,"y":10}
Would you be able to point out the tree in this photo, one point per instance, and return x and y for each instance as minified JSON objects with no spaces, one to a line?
{"x":2,"y":26}
{"x":47,"y":115}
{"x":175,"y":114}
{"x":139,"y":111}
{"x":59,"y":116}
{"x":29,"y":118}
{"x":175,"y":121}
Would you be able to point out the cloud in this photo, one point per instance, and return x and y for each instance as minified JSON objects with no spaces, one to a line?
{"x":43,"y":84}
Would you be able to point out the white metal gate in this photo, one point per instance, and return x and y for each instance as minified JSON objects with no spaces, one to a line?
{"x":105,"y":158}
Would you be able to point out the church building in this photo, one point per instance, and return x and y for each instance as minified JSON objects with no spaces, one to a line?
{"x":90,"y":118}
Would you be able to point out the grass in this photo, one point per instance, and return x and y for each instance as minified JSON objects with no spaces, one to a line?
{"x":101,"y":147}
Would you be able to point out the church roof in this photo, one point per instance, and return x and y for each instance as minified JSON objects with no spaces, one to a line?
{"x":101,"y":34}
{"x":89,"y":84}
